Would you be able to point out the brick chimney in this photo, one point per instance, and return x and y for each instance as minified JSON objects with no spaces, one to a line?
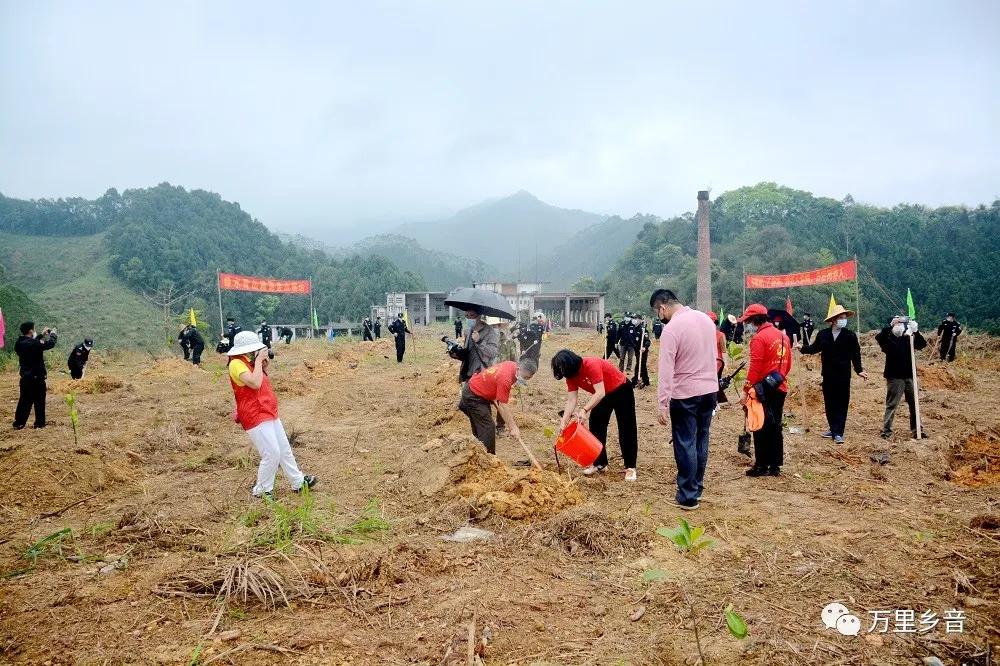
{"x":703,"y":300}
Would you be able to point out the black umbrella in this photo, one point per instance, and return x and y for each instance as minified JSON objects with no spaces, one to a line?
{"x":486,"y":302}
{"x":785,"y":322}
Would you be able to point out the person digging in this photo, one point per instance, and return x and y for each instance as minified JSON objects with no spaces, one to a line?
{"x":257,"y":413}
{"x":494,"y":385}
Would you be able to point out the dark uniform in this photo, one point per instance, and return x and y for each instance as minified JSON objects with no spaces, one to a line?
{"x":185,"y":347}
{"x":286,"y":334}
{"x":265,"y":333}
{"x":226,"y":342}
{"x":627,"y":340}
{"x":657,"y":329}
{"x":399,"y":330}
{"x":728,"y":329}
{"x":642,"y":345}
{"x":530,"y":339}
{"x":611,"y":339}
{"x":838,"y":355}
{"x":29,"y":353}
{"x":378,"y":328}
{"x":78,"y":359}
{"x":196,"y":343}
{"x":807,"y":326}
{"x":949,"y":332}
{"x":458,"y":328}
{"x":366,"y":330}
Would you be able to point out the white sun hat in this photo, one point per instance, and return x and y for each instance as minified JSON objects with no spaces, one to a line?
{"x":245,"y":342}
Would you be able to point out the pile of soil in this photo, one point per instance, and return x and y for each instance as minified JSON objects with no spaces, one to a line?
{"x":89,"y":385}
{"x":943,"y":377}
{"x":488,"y":483}
{"x":976,"y":463}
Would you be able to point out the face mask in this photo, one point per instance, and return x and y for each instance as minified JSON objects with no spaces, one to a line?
{"x":749,"y":329}
{"x":841,"y":323}
{"x":897,"y":330}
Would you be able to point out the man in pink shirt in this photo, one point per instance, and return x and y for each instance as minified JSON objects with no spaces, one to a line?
{"x":687,"y":389}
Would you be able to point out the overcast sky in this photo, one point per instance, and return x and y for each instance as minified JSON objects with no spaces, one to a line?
{"x":323,"y":114}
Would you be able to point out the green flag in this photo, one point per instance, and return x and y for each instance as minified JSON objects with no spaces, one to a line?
{"x":722,"y":315}
{"x":911,"y":311}
{"x":315,"y":319}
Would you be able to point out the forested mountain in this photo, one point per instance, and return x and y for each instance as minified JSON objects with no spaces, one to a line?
{"x":507,"y":233}
{"x":947,"y":256}
{"x":591,"y":252}
{"x":167,"y":237}
{"x":441,"y":271}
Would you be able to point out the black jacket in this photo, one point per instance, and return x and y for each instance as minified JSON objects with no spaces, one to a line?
{"x":183,"y":338}
{"x":231,"y":332}
{"x":626,"y":335}
{"x":838,"y":355}
{"x":78,"y":357}
{"x":265,"y":335}
{"x":946,"y":329}
{"x":29,"y":353}
{"x":898,"y":364}
{"x":612,"y":329}
{"x":398,"y":327}
{"x":658,"y":328}
{"x":194,"y":339}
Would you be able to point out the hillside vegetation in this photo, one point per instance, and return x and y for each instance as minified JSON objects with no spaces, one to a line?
{"x":947,"y":256}
{"x":107,"y":252}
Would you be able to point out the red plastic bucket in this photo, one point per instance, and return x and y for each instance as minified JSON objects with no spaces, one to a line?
{"x":579,"y":444}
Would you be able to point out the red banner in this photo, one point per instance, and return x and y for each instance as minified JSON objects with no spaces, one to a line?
{"x":268,"y":285}
{"x":847,"y":270}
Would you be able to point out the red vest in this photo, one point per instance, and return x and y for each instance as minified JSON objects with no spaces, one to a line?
{"x":254,"y":406}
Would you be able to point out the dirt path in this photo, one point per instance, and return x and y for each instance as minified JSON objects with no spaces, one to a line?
{"x":159,"y":511}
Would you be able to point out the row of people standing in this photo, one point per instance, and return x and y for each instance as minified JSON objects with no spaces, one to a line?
{"x":630,"y":340}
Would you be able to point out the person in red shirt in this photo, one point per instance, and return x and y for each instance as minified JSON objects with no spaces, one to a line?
{"x":257,"y":412}
{"x":489,"y":386}
{"x":770,"y":361}
{"x":612,"y":392}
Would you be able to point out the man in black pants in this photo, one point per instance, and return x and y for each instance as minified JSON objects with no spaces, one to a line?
{"x":770,"y":365}
{"x":264,"y":333}
{"x":378,"y":328}
{"x":611,"y":336}
{"x":948,"y":331}
{"x":29,"y":350}
{"x":366,"y":330}
{"x":839,"y":349}
{"x":77,"y":360}
{"x":399,"y":329}
{"x":183,"y":341}
{"x":458,"y":327}
{"x":627,"y":341}
{"x":642,"y":345}
{"x":895,"y":344}
{"x":196,"y":342}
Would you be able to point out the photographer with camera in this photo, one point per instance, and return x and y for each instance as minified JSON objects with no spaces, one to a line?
{"x":257,"y":413}
{"x":839,"y":349}
{"x":493,"y":385}
{"x":894,"y":340}
{"x":482,"y":344}
{"x":30,"y":350}
{"x":770,"y":364}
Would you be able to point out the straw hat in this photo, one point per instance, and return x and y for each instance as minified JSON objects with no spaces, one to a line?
{"x":245,"y":342}
{"x":732,"y":318}
{"x":836,"y":311}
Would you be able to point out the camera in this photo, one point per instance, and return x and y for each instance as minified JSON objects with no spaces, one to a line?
{"x":453,"y":348}
{"x":270,"y":354}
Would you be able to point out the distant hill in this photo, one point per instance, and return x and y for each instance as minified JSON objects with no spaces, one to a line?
{"x":508,"y":233}
{"x":88,"y":263}
{"x":593,"y":251}
{"x":71,"y":288}
{"x":947,"y":256}
{"x":440,"y":270}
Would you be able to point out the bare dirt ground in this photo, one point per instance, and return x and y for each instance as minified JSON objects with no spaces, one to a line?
{"x":139,"y":543}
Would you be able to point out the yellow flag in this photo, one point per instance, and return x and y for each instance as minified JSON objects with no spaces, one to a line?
{"x":833,"y":304}
{"x":406,"y":318}
{"x":191,"y":319}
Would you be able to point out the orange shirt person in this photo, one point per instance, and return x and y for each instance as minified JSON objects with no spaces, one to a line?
{"x":493,"y":385}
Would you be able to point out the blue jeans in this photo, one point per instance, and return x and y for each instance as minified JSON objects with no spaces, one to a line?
{"x":690,"y":422}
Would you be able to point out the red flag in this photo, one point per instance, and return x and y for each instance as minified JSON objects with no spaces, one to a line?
{"x":788,"y":305}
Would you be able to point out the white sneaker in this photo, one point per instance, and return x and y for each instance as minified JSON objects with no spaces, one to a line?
{"x":630,"y":474}
{"x":593,"y":469}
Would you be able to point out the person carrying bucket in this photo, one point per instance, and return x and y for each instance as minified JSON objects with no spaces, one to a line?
{"x":612,"y":392}
{"x":494,"y":385}
{"x":257,"y":413}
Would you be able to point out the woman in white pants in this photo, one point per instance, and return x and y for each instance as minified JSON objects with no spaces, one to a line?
{"x":257,"y":412}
